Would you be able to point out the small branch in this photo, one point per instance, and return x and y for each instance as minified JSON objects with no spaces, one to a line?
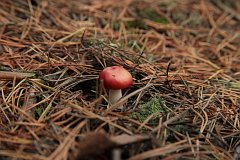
{"x":5,"y":75}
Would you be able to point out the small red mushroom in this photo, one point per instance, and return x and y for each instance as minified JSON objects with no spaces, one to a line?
{"x":115,"y":78}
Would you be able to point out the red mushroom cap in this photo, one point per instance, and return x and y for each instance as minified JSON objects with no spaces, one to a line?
{"x":116,"y":77}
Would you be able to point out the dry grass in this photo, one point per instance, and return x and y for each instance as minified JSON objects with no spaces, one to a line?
{"x":184,"y":56}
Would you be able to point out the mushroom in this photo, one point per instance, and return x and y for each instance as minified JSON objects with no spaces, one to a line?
{"x":115,"y":78}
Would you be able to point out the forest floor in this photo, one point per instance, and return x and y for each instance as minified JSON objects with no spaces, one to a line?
{"x":184,"y":57}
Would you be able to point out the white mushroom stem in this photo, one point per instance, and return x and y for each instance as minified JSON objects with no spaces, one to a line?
{"x":114,"y":96}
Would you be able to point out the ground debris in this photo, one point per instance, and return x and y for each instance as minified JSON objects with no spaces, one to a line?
{"x":184,"y":58}
{"x":96,"y":143}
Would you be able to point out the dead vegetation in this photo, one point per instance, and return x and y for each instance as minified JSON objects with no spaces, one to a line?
{"x":184,"y":57}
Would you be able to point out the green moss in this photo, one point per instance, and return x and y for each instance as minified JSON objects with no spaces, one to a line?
{"x":145,"y":14}
{"x":228,"y":84}
{"x":116,"y":25}
{"x":152,"y":15}
{"x":136,"y":46}
{"x":155,"y":106}
{"x":179,"y":16}
{"x":137,"y":23}
{"x":233,"y":85}
{"x":229,"y":3}
{"x":38,"y":111}
{"x":194,"y":19}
